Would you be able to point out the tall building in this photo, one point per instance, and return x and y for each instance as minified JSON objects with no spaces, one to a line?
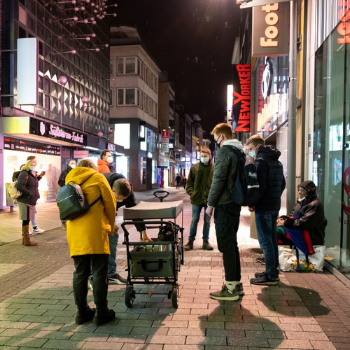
{"x":69,"y":117}
{"x":134,"y":78}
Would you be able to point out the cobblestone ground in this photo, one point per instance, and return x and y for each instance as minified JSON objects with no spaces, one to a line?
{"x":305,"y":311}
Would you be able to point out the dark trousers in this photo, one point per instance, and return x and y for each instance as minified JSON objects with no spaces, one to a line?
{"x":226,"y":219}
{"x":99,"y":263}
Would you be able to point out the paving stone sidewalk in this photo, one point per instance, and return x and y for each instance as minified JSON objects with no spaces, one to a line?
{"x":305,"y":311}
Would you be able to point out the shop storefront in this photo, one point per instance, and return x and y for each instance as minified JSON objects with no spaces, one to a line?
{"x":330,"y":159}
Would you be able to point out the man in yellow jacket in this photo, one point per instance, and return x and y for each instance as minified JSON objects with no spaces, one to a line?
{"x":89,"y":243}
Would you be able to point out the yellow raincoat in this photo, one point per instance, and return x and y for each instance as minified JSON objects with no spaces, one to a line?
{"x":88,"y":234}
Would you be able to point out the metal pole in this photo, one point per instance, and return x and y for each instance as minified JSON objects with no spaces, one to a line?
{"x":83,"y":116}
{"x":291,"y":157}
{"x":61,"y":102}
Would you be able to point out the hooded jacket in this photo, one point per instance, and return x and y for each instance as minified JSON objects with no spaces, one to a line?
{"x":199,"y":181}
{"x":102,"y":166}
{"x":270,"y":178}
{"x":308,"y":215}
{"x":224,"y":174}
{"x":88,"y":234}
{"x":61,"y":180}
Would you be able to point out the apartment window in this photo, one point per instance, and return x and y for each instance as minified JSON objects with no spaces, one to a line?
{"x":139,"y":98}
{"x":129,"y":65}
{"x":139,"y":68}
{"x":111,"y":97}
{"x":111,"y":68}
{"x":149,"y":106}
{"x":145,"y":102}
{"x":127,"y":97}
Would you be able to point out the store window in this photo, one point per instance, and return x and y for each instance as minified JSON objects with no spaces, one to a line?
{"x":154,"y":172}
{"x":143,"y":170}
{"x":331,"y":144}
{"x":122,"y":166}
{"x":122,"y":135}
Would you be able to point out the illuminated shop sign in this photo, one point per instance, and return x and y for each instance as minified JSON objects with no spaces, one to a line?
{"x":30,"y":146}
{"x":343,"y":27}
{"x":241,"y":98}
{"x":38,"y":127}
{"x":270,"y":32}
{"x":165,"y":141}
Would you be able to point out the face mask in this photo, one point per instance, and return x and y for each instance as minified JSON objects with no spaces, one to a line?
{"x":252,"y":154}
{"x":72,"y":166}
{"x":32,"y":168}
{"x":301,"y":199}
{"x":109,"y":160}
{"x":204,"y":160}
{"x":218,"y":142}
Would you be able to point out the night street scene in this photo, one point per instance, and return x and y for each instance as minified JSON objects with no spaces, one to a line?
{"x":175,"y":174}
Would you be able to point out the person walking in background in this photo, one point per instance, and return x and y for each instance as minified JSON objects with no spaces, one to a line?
{"x":27,"y":183}
{"x":226,"y":214}
{"x":184,"y":182}
{"x":177,"y":180}
{"x":198,"y":187}
{"x":61,"y":182}
{"x":88,"y":243}
{"x":271,"y":183}
{"x":103,"y":164}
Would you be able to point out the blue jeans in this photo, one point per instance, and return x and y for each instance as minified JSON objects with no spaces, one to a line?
{"x":112,"y":258}
{"x":196,"y":212}
{"x":266,"y":224}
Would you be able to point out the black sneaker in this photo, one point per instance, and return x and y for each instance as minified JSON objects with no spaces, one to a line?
{"x":101,"y":318}
{"x":260,"y":274}
{"x":116,"y":279}
{"x":225,"y":294}
{"x":84,"y":316}
{"x":264,"y":280}
{"x":240,"y":290}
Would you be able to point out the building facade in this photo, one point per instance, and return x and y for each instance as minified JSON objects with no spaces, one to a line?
{"x":134,"y":79}
{"x":70,"y":118}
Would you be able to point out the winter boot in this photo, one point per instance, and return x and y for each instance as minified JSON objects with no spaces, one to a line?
{"x":207,"y":246}
{"x":189,"y":245}
{"x":84,"y":315}
{"x":26,"y":238}
{"x":103,"y":316}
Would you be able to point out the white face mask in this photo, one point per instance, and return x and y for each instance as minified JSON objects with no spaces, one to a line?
{"x":301,"y":199}
{"x":32,"y":168}
{"x":204,"y":160}
{"x":252,"y":154}
{"x":109,"y":160}
{"x":72,"y":166}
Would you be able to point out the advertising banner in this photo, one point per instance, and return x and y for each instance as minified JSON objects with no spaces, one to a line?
{"x":270,"y":32}
{"x":165,"y":141}
{"x":241,"y":98}
{"x":41,"y":128}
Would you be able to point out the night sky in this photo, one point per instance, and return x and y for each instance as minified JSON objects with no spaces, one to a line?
{"x":193,"y":41}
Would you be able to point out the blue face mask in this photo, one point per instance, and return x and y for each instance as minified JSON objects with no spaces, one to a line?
{"x":252,"y":154}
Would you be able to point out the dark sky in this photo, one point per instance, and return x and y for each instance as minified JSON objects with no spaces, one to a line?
{"x":193,"y":41}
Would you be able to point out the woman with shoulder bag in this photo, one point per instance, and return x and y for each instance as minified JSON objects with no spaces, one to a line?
{"x":27,"y":183}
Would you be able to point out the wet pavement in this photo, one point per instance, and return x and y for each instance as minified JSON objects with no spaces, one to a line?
{"x":305,"y":311}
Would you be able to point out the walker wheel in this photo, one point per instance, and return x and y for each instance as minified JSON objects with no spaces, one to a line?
{"x":129,"y":296}
{"x":175,"y":297}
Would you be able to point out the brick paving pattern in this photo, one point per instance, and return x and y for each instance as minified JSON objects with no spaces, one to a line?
{"x":305,"y":311}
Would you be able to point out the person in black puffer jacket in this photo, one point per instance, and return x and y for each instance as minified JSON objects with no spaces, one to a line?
{"x":308,"y":214}
{"x":27,"y":183}
{"x":272,"y":183}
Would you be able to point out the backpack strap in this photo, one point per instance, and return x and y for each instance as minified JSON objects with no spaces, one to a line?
{"x":95,"y":201}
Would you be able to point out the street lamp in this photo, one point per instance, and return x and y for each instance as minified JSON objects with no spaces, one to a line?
{"x":63,"y":81}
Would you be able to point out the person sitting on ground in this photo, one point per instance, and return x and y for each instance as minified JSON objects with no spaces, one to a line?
{"x":308,"y":214}
{"x":104,"y":162}
{"x":61,"y":182}
{"x":124,"y":196}
{"x":88,"y":243}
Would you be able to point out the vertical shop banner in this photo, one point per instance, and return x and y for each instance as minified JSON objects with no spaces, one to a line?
{"x":343,"y":27}
{"x":270,"y":32}
{"x":241,"y":98}
{"x":165,"y":141}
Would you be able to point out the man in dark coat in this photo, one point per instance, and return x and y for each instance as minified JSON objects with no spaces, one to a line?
{"x":308,"y":214}
{"x":61,"y":182}
{"x":271,"y":184}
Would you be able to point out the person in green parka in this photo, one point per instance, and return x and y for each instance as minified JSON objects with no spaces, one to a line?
{"x":198,"y":186}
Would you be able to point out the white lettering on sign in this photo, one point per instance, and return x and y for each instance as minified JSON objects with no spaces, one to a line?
{"x":55,"y":131}
{"x":271,"y":31}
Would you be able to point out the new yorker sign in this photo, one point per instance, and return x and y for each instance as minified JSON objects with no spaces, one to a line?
{"x":241,"y":97}
{"x":41,"y":128}
{"x":270,"y":32}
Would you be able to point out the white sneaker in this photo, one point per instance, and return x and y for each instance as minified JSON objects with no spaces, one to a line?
{"x":37,"y":230}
